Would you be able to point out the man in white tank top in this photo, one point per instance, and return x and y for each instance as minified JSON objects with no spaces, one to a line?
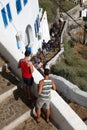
{"x":44,"y":95}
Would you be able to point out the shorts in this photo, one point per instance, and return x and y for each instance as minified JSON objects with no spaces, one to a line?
{"x":28,"y":81}
{"x":40,"y":102}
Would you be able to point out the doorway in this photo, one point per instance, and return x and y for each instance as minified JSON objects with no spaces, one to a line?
{"x":29,"y":36}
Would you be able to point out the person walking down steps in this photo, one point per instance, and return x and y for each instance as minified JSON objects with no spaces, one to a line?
{"x":44,"y":95}
{"x":27,"y":69}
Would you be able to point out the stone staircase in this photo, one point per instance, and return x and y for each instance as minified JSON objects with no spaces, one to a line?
{"x":16,"y":111}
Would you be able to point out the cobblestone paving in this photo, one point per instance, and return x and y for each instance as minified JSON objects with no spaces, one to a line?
{"x":80,"y":110}
{"x":10,"y":109}
{"x":31,"y":124}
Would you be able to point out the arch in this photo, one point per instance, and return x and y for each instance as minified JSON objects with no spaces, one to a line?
{"x":29,"y":36}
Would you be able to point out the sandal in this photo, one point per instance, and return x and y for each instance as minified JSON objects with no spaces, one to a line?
{"x":47,"y":120}
{"x":37,"y":120}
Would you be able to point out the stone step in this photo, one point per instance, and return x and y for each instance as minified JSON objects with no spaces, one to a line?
{"x":4,"y":84}
{"x":30,"y":124}
{"x":11,"y":109}
{"x":3,"y":64}
{"x":18,"y":114}
{"x":7,"y":81}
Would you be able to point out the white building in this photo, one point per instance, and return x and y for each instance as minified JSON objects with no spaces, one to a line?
{"x":22,"y":24}
{"x":21,"y":20}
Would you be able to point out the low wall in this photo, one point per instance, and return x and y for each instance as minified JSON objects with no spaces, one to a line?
{"x":54,"y":59}
{"x":70,"y":90}
{"x":64,"y":116}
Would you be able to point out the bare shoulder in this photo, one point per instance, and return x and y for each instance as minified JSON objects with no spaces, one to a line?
{"x":41,"y":82}
{"x":30,"y":63}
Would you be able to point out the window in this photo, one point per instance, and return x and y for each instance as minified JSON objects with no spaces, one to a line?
{"x":4,"y":17}
{"x":25,"y":2}
{"x":9,"y":12}
{"x":35,"y":27}
{"x":38,"y":23}
{"x":18,"y":6}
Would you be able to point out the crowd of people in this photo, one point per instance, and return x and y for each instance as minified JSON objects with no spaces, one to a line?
{"x":46,"y":84}
{"x":54,"y":43}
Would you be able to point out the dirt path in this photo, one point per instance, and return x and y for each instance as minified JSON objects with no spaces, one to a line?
{"x":80,"y":110}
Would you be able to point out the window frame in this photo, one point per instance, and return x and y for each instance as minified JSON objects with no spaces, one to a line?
{"x":25,"y":2}
{"x":18,"y":6}
{"x":4,"y":17}
{"x":9,"y":12}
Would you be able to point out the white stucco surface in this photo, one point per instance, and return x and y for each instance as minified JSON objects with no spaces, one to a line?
{"x":64,"y":116}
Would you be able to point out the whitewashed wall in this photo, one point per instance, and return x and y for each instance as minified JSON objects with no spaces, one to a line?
{"x":8,"y":43}
{"x":19,"y":23}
